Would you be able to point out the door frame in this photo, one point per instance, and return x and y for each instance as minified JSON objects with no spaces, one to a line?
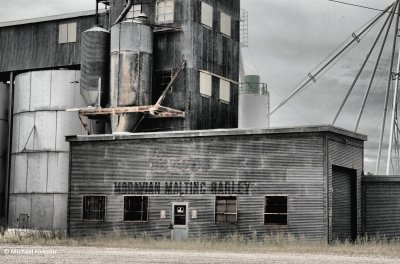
{"x":184,"y":228}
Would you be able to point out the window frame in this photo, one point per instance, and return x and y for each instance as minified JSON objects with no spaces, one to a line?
{"x":147,"y":209}
{"x":222,"y":22}
{"x":221,"y":92}
{"x":69,"y":33}
{"x":140,"y":11}
{"x":205,"y":92}
{"x":286,"y":214}
{"x":132,"y":11}
{"x":157,"y":15}
{"x":217,"y":197}
{"x":208,"y":24}
{"x":103,"y":212}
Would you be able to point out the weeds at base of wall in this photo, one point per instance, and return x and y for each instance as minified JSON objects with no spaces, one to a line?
{"x":278,"y":242}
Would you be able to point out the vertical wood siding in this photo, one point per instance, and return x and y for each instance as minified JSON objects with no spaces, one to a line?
{"x":203,"y":49}
{"x":35,"y":46}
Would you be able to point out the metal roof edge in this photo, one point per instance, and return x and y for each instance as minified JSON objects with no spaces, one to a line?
{"x":381,"y":178}
{"x":219,"y":132}
{"x":48,"y":18}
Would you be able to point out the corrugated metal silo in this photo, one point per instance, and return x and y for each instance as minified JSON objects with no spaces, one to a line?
{"x":40,"y":154}
{"x":4,"y":99}
{"x":131,"y":70}
{"x":254,"y":103}
{"x":95,"y":50}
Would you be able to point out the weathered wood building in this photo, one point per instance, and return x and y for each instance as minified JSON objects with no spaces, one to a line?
{"x":304,"y":181}
{"x":204,"y":34}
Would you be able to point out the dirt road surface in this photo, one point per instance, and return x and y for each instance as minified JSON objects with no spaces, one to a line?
{"x":36,"y":254}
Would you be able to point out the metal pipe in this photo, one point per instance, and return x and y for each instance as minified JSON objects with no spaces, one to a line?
{"x":96,"y":18}
{"x":99,"y":93}
{"x":312,"y":77}
{"x":362,"y":68}
{"x":396,"y":89}
{"x":392,"y":126}
{"x":242,"y":72}
{"x":9,"y":146}
{"x":124,"y":12}
{"x":374,"y":72}
{"x":378,"y":164}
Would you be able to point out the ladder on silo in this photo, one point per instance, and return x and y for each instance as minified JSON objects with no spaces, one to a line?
{"x":244,"y":28}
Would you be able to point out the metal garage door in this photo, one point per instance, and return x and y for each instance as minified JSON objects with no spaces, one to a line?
{"x":344,"y":204}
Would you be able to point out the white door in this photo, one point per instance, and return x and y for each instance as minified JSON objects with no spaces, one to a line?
{"x":179,"y":221}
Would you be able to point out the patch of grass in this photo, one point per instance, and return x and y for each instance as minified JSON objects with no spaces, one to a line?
{"x":283,"y":243}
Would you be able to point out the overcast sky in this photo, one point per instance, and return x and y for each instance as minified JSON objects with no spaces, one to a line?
{"x":288,"y":39}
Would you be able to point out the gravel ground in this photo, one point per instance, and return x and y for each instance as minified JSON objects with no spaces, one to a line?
{"x":28,"y":254}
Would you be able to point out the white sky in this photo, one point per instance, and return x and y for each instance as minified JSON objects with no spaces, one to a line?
{"x":288,"y":38}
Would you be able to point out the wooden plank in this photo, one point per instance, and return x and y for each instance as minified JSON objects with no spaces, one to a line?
{"x":153,"y":110}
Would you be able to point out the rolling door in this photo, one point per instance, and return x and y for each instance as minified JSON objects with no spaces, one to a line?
{"x":343,"y":207}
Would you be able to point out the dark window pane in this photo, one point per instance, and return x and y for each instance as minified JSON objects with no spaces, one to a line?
{"x":94,"y":207}
{"x":275,"y":211}
{"x":180,"y":215}
{"x":225,"y":209}
{"x":231,"y":219}
{"x":220,"y":218}
{"x":275,"y":219}
{"x":135,"y":208}
{"x":276,"y":204}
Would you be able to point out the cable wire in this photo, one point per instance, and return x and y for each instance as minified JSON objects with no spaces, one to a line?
{"x":312,"y":77}
{"x":361,"y":6}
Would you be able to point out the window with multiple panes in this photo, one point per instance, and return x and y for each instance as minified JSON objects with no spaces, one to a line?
{"x":205,"y":84}
{"x":165,"y":11}
{"x":135,"y":208}
{"x":225,"y":24}
{"x":226,"y":209}
{"x":135,"y":11}
{"x":67,"y":33}
{"x":224,"y":90}
{"x":275,"y":211}
{"x":94,"y":207}
{"x":206,"y":15}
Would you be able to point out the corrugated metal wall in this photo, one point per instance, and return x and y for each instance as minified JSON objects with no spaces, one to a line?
{"x":291,"y":165}
{"x":381,"y":206}
{"x":345,"y":153}
{"x":343,"y":204}
{"x":4,"y":123}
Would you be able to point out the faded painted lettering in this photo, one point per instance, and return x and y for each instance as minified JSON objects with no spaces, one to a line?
{"x":182,"y":188}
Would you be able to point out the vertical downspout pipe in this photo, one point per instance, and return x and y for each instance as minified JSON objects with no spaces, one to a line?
{"x":96,"y":22}
{"x":10,"y":134}
{"x":124,"y":12}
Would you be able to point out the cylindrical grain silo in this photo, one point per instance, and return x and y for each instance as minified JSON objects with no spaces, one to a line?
{"x":40,"y":154}
{"x":4,"y":99}
{"x":254,"y":103}
{"x":131,"y":70}
{"x":95,"y":63}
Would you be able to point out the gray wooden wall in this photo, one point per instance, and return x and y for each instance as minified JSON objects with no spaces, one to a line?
{"x":203,"y":49}
{"x":35,"y":45}
{"x":280,"y":164}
